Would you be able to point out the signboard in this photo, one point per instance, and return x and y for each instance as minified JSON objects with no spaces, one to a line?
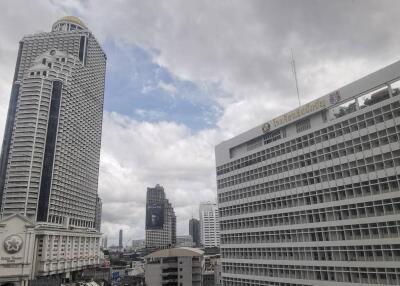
{"x":154,"y":216}
{"x":303,"y":111}
{"x":299,"y":112}
{"x":116,"y":276}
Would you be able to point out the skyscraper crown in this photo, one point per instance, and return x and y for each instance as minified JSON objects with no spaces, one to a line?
{"x":69,"y":23}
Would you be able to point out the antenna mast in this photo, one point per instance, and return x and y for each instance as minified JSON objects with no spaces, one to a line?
{"x":295,"y":76}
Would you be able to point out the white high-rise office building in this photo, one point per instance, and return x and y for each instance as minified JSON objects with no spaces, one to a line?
{"x":209,"y":228}
{"x":312,"y":197}
{"x":49,"y":163}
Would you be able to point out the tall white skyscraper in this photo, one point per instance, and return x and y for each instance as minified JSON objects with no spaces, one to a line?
{"x":312,"y":197}
{"x":49,"y":163}
{"x":209,"y":228}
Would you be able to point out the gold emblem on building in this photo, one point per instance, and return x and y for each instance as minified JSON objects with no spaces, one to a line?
{"x":266,"y":127}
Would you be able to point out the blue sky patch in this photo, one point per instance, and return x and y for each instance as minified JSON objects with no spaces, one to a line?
{"x":139,"y":88}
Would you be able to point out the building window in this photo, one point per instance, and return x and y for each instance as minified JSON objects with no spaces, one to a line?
{"x":272,"y":136}
{"x":324,"y":116}
{"x":52,"y":127}
{"x":344,"y":109}
{"x":82,"y":46}
{"x":253,"y":144}
{"x":303,"y":125}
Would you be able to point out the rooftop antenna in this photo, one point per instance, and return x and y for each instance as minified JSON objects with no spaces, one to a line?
{"x":295,"y":76}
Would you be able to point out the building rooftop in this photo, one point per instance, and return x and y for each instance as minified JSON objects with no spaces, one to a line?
{"x":73,"y":19}
{"x":69,"y":23}
{"x":176,"y":252}
{"x":366,"y":84}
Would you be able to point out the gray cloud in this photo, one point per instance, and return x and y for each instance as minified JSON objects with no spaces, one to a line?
{"x":244,"y":45}
{"x":241,"y":46}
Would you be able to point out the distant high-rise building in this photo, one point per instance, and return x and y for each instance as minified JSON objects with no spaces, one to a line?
{"x":105,"y":242}
{"x":138,"y":243}
{"x":184,"y":241}
{"x":209,"y":228}
{"x":97,"y":222}
{"x":160,"y":220}
{"x":194,"y":231}
{"x":49,"y":162}
{"x":120,"y":240}
{"x":312,"y":197}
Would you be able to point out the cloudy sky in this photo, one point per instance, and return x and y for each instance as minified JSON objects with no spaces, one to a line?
{"x":184,"y":75}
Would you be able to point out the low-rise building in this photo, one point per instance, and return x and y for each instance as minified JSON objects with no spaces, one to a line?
{"x":212,"y":270}
{"x":175,"y":266}
{"x":34,"y":252}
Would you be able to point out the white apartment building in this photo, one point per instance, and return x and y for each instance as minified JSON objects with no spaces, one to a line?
{"x":49,"y":162}
{"x":312,"y":197}
{"x":209,"y":228}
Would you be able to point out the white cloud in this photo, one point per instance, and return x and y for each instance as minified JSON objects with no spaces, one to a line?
{"x":150,"y":114}
{"x":168,"y":87}
{"x":244,"y":45}
{"x":136,"y":155}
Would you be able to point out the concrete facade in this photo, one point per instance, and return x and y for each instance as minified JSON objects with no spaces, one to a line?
{"x":176,"y":266}
{"x":99,"y":209}
{"x":17,"y":263}
{"x":209,"y":227}
{"x":312,"y":197}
